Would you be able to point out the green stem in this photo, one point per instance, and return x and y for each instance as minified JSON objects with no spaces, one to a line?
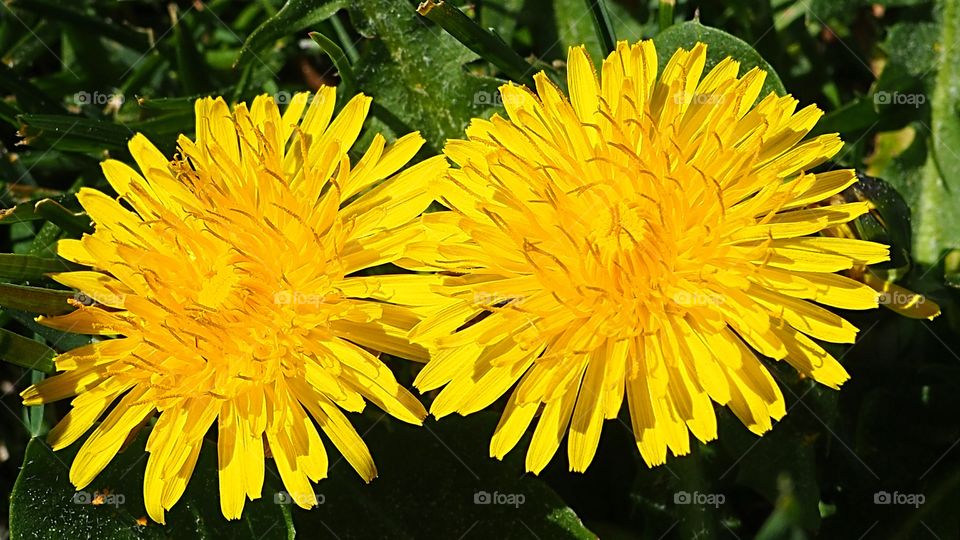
{"x":665,"y":14}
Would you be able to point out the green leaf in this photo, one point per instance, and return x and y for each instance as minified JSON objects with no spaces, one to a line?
{"x":35,"y":299}
{"x":27,"y":211}
{"x":415,"y":73}
{"x":72,"y":222}
{"x":719,"y":46}
{"x":937,"y":213}
{"x":29,"y":97}
{"x":575,"y":26}
{"x":483,"y":42}
{"x":481,"y":497}
{"x":782,"y":468}
{"x":339,"y":59}
{"x":193,"y":71}
{"x":92,"y":24}
{"x":26,"y":352}
{"x":888,"y":222}
{"x":17,"y":267}
{"x":911,"y":49}
{"x":501,"y":17}
{"x":293,"y":17}
{"x":853,"y":116}
{"x":43,"y":503}
{"x":72,"y":133}
{"x":601,"y":22}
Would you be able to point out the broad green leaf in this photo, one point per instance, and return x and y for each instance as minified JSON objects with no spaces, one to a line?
{"x":26,"y":352}
{"x":294,"y":17}
{"x":888,"y":222}
{"x":414,"y":71}
{"x":45,"y":505}
{"x":719,"y":46}
{"x":937,"y":214}
{"x":911,"y":49}
{"x":17,"y":267}
{"x":437,"y":481}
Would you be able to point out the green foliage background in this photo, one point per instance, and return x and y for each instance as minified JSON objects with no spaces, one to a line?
{"x":78,"y":79}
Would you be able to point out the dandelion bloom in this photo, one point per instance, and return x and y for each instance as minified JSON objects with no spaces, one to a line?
{"x":641,"y":239}
{"x":232,"y":283}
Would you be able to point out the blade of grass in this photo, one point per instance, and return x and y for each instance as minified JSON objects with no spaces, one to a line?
{"x":339,"y":59}
{"x":294,"y":16}
{"x":26,"y":211}
{"x":483,"y":42}
{"x":71,"y":222}
{"x":193,"y":71}
{"x":75,"y":133}
{"x":35,"y":299}
{"x":25,"y":352}
{"x":35,"y":415}
{"x":601,"y":21}
{"x":344,"y":38}
{"x":20,"y":267}
{"x":97,"y":26}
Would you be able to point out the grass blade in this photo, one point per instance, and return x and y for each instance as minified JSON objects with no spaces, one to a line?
{"x":483,"y":42}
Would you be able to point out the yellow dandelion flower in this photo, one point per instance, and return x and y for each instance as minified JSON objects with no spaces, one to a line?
{"x":641,"y":239}
{"x":230,"y":273}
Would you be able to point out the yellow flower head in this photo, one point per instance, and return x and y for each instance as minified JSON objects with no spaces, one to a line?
{"x":232,"y":283}
{"x":642,"y":238}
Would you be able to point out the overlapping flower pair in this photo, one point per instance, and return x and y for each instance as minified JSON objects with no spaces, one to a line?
{"x":643,"y":239}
